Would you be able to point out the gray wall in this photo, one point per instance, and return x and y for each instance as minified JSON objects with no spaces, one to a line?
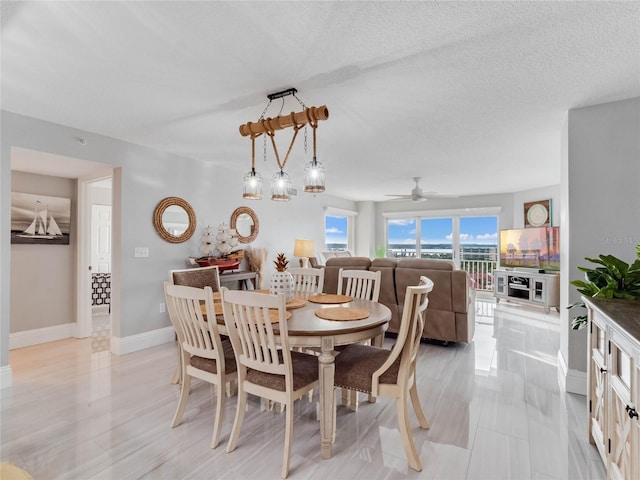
{"x":143,"y":177}
{"x":601,"y":174}
{"x":44,"y":273}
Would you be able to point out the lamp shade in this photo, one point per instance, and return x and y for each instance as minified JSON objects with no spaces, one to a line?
{"x":252,"y":185}
{"x":280,"y":187}
{"x":304,"y":248}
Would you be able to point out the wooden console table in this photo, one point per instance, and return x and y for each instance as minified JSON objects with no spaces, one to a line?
{"x":248,"y":280}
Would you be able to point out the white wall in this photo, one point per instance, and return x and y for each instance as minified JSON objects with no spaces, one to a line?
{"x":600,"y":178}
{"x":551,"y":192}
{"x":44,"y":273}
{"x":142,"y":178}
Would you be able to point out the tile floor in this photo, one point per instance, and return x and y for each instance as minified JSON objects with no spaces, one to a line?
{"x":77,"y":412}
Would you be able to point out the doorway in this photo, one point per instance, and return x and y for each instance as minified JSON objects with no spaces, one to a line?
{"x":95,"y":242}
{"x":100,"y":200}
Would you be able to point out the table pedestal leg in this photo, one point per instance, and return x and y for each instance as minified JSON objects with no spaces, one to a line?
{"x":327,"y":398}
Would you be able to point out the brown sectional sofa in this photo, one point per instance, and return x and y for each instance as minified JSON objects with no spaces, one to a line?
{"x":450,"y":316}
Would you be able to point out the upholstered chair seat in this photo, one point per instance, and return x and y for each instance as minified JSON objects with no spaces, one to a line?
{"x":391,"y":373}
{"x":363,"y":361}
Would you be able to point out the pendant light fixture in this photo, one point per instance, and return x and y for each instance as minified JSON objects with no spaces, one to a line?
{"x":314,"y":170}
{"x":281,"y":186}
{"x":252,"y":180}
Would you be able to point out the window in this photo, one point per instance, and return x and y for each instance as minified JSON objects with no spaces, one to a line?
{"x":436,"y":238}
{"x":401,"y":237}
{"x":470,"y":241}
{"x":339,"y":229}
{"x":336,"y":232}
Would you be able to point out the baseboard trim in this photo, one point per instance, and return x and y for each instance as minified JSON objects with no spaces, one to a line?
{"x":571,"y":381}
{"x":133,"y":343}
{"x":41,"y":335}
{"x":6,"y":376}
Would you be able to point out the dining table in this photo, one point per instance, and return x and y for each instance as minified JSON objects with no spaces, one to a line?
{"x":307,"y":331}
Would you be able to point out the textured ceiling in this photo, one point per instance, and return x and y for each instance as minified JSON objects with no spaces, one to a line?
{"x":471,"y":96}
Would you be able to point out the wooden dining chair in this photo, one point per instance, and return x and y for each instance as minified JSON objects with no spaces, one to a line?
{"x":193,"y":277}
{"x":363,"y":284}
{"x":392,"y":373}
{"x":307,"y":280}
{"x":267,"y":367}
{"x":205,"y":355}
{"x":197,"y":277}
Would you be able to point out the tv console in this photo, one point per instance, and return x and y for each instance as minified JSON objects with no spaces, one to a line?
{"x":530,"y":287}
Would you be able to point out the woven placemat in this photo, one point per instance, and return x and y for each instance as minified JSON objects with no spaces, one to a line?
{"x":274,"y":315}
{"x":217,"y":308}
{"x":330,"y":298}
{"x":342,"y":313}
{"x":295,"y":303}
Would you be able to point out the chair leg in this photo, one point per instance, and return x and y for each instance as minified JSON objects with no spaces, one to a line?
{"x":405,"y":433}
{"x":350,"y":399}
{"x":415,"y":401}
{"x":182,"y":403}
{"x":177,"y":376}
{"x":231,"y":387}
{"x":237,"y":422}
{"x":217,"y":424}
{"x":288,"y":436}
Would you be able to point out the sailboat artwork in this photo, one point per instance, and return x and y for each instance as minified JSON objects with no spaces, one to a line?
{"x":224,"y":242}
{"x":40,"y":219}
{"x":43,"y":226}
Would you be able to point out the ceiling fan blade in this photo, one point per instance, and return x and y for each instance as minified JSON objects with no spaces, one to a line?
{"x":399,"y":196}
{"x":436,"y":195}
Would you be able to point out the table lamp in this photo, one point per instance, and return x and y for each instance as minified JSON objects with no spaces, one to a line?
{"x":304,"y":249}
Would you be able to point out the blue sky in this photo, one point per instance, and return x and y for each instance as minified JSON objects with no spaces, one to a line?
{"x":438,"y":230}
{"x":434,"y":230}
{"x":335,"y":229}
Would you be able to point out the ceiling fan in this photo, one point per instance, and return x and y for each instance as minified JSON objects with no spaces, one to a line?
{"x":417,"y":195}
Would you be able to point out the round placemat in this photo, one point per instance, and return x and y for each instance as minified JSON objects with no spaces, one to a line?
{"x":274,"y":315}
{"x":330,"y":298}
{"x":295,"y":303}
{"x":342,"y":313}
{"x":217,"y":308}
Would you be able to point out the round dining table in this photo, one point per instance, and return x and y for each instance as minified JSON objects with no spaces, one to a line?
{"x":308,"y":331}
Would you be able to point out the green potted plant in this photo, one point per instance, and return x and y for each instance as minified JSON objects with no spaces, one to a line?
{"x":614,"y":278}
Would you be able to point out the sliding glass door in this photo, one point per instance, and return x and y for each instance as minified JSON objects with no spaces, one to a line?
{"x":436,"y":238}
{"x":470,"y":241}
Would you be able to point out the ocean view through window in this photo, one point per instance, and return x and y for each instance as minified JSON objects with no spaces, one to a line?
{"x":336,"y":232}
{"x":471,"y":242}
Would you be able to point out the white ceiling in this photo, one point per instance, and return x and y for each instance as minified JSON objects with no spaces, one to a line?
{"x":471,"y":96}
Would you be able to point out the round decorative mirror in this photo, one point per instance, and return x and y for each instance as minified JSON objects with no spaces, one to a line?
{"x":174,"y":219}
{"x":245,"y":221}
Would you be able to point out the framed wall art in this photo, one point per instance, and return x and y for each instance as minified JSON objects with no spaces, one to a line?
{"x":537,"y":214}
{"x":40,"y":219}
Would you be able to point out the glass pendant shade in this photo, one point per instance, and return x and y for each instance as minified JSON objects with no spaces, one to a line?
{"x":314,"y":177}
{"x":280,"y":187}
{"x":252,"y":185}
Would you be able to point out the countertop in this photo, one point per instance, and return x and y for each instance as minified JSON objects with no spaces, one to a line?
{"x":625,"y":313}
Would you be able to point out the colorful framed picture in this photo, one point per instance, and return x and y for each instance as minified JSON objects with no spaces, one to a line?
{"x":537,"y":214}
{"x":40,"y":219}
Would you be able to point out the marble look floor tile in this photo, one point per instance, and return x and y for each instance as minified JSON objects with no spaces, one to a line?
{"x":495,"y":409}
{"x":499,"y":456}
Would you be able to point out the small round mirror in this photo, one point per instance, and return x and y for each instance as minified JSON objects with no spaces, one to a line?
{"x":174,"y":219}
{"x":245,"y":222}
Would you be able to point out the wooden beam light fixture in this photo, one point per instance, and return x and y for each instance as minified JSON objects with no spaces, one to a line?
{"x":281,"y":182}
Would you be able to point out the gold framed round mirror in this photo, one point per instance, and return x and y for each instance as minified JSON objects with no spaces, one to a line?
{"x":174,"y":219}
{"x":245,"y":221}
